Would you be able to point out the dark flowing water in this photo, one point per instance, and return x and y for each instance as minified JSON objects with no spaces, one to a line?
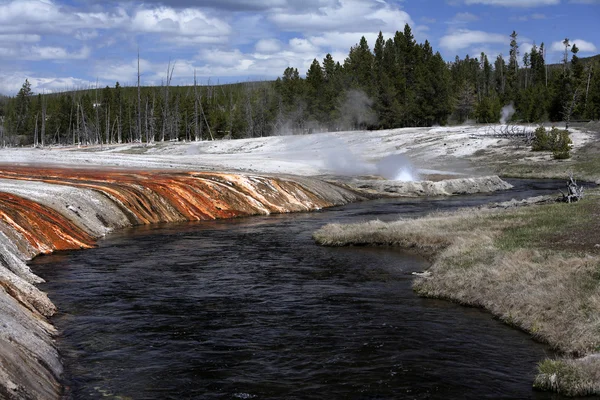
{"x":253,"y":309}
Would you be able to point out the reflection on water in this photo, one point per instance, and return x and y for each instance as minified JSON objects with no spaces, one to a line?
{"x":252,"y":308}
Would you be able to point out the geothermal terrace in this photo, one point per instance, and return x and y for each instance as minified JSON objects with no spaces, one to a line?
{"x":66,"y":198}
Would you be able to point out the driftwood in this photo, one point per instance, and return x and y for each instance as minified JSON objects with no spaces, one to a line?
{"x":574,"y":192}
{"x":511,"y":132}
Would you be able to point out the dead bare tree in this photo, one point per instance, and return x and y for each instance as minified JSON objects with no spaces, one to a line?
{"x":35,"y":132}
{"x":511,"y":132}
{"x":574,"y":191}
{"x":197,"y":127}
{"x":139,"y":100}
{"x":44,"y":108}
{"x":569,"y":108}
{"x":167,"y":83}
{"x":587,"y":90}
{"x":176,"y":120}
{"x":146,"y":124}
{"x":209,"y":92}
{"x":248,"y":112}
{"x":98,"y":138}
{"x":152,"y":118}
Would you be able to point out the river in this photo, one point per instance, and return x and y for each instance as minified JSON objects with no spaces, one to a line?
{"x":252,"y":309}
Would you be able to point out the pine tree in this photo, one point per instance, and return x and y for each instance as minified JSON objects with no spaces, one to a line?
{"x":23,"y":105}
{"x":314,"y":91}
{"x":331,"y":91}
{"x":359,"y":67}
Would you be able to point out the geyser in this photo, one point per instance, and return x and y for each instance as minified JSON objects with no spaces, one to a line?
{"x":397,"y":167}
{"x":507,"y":113}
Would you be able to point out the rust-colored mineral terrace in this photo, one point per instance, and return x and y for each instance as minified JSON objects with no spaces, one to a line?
{"x":45,"y":229}
{"x":149,"y":197}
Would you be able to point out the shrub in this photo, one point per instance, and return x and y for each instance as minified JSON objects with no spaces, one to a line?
{"x":562,"y":144}
{"x":541,"y":140}
{"x":557,"y":141}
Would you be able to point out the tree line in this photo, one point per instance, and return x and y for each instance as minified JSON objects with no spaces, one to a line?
{"x":398,"y":83}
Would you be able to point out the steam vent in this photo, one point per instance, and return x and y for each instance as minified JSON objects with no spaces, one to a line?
{"x":47,"y":209}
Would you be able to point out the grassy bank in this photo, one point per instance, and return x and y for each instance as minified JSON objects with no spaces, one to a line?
{"x":537,"y":268}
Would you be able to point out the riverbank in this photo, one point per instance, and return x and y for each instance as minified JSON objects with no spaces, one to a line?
{"x":533,"y":267}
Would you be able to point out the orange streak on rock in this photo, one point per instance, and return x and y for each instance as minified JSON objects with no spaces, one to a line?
{"x":155,"y":196}
{"x":45,"y":229}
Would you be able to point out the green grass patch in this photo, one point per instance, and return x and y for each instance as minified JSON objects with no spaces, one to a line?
{"x":552,"y":226}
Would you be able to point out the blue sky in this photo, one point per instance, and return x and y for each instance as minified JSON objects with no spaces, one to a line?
{"x":66,"y":44}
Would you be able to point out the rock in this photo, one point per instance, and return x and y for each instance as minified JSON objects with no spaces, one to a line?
{"x":425,"y":274}
{"x":446,"y":187}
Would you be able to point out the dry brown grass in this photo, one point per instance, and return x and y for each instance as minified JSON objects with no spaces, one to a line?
{"x":512,"y":263}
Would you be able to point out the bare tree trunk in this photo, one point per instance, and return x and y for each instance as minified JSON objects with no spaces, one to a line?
{"x":107,"y":129}
{"x":43,"y":131}
{"x":230,"y":115}
{"x":112,"y":131}
{"x":209,"y":94}
{"x":587,"y":89}
{"x":96,"y":107}
{"x":176,"y":120}
{"x":545,"y":67}
{"x":71,"y":122}
{"x":197,"y":135}
{"x":152,"y":120}
{"x":166,"y":101}
{"x":35,"y":132}
{"x":139,"y":98}
{"x":249,"y":113}
{"x":78,"y":127}
{"x":569,"y":108}
{"x":146,"y":123}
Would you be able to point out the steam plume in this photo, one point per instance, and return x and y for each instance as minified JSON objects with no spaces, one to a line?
{"x":507,"y":113}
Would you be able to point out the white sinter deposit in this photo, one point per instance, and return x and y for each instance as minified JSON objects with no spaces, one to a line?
{"x":430,"y":150}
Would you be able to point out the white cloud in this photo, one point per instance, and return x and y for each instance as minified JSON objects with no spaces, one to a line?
{"x":525,"y":48}
{"x":305,"y":46}
{"x":268,"y":46}
{"x":18,"y":38}
{"x":187,"y":22}
{"x":464,"y":38}
{"x":42,"y":53}
{"x":515,"y":3}
{"x":583,"y":46}
{"x":343,"y":41}
{"x":124,"y":72}
{"x":45,"y":16}
{"x":463,"y":18}
{"x":86,"y":34}
{"x":11,"y":83}
{"x":221,"y":57}
{"x":346,"y":16}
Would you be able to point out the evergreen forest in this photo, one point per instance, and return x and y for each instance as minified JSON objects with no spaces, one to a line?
{"x":396,"y":83}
